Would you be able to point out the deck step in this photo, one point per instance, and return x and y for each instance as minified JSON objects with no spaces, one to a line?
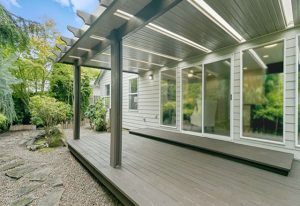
{"x":274,"y":161}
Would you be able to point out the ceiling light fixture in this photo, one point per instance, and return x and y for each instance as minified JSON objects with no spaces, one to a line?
{"x":83,"y":49}
{"x":74,"y":57}
{"x":99,"y":61}
{"x":210,"y":13}
{"x":270,"y":46}
{"x":97,"y":37}
{"x":287,"y":12}
{"x":168,"y":33}
{"x":123,"y":14}
{"x":257,"y":59}
{"x":152,"y":52}
{"x":130,"y":59}
{"x":265,"y":56}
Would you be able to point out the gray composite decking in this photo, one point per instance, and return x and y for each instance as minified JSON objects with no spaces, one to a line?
{"x":275,"y":161}
{"x":157,"y":173}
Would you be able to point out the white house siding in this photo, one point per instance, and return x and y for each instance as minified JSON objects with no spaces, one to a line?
{"x":148,"y":92}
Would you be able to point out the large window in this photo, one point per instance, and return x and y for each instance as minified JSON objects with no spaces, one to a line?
{"x":262,"y":76}
{"x":192,"y":99}
{"x":217,"y":98}
{"x":168,"y":97}
{"x":133,"y":94}
{"x":106,"y":97}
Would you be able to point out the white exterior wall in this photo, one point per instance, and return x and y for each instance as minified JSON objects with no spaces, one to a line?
{"x":148,"y":92}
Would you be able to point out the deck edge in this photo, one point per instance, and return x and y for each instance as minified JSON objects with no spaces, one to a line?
{"x":270,"y":168}
{"x":102,"y":178}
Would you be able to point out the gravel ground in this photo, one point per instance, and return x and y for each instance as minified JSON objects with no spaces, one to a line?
{"x":80,"y":187}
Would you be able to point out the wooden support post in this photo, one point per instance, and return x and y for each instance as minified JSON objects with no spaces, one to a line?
{"x":76,"y":102}
{"x":116,"y":100}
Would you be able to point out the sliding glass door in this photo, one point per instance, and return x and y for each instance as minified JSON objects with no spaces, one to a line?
{"x":168,"y":97}
{"x":217,"y":98}
{"x":206,"y":98}
{"x":262,"y":112}
{"x":192,"y":99}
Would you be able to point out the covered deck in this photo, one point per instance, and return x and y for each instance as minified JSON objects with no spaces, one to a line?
{"x":157,"y":173}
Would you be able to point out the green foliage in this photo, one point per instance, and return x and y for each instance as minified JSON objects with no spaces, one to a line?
{"x":47,"y":111}
{"x":6,"y":81}
{"x":169,"y":111}
{"x":272,"y":109}
{"x":10,"y":34}
{"x":97,"y":115}
{"x":3,"y":123}
{"x":61,"y":85}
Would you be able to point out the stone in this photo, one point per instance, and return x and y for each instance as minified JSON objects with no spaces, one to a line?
{"x":23,"y":201}
{"x":40,"y":175}
{"x":27,"y":189}
{"x":12,"y":165}
{"x":52,"y":199}
{"x":6,"y":159}
{"x":58,"y":182}
{"x":19,"y":172}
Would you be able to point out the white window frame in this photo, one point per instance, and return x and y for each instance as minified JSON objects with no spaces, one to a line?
{"x":253,"y":139}
{"x":107,"y":96}
{"x":135,"y":93}
{"x":203,"y":63}
{"x":297,"y":143}
{"x":159,"y":99}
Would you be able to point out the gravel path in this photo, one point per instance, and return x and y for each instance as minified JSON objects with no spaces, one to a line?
{"x":79,"y":187}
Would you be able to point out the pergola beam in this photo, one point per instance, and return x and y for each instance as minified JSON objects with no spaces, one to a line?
{"x":153,"y":10}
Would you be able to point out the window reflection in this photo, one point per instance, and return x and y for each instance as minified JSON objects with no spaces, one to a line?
{"x":263,"y":92}
{"x":168,"y":97}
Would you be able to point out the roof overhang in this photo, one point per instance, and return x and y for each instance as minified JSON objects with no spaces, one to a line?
{"x":159,"y":33}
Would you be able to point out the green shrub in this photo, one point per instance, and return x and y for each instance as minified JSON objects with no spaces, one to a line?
{"x":3,"y":123}
{"x":47,"y":111}
{"x":97,"y":115}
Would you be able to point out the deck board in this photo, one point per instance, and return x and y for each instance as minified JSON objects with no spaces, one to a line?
{"x":156,"y":173}
{"x":280,"y":162}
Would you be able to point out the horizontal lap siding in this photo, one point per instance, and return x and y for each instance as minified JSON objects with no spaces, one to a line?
{"x":147,"y":114}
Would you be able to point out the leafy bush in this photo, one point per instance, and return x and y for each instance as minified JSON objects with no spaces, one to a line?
{"x":169,"y":112}
{"x":47,"y":111}
{"x":97,"y":115}
{"x":3,"y":123}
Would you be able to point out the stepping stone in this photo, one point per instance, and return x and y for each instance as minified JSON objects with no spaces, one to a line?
{"x":6,"y":159}
{"x":52,"y":199}
{"x":58,"y":182}
{"x":27,"y":189}
{"x":23,"y":201}
{"x":12,"y":165}
{"x":40,"y":175}
{"x":19,"y":172}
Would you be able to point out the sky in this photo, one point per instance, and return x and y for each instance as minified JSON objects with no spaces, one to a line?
{"x":63,"y":12}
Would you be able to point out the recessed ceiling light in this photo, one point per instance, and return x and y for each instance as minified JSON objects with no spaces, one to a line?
{"x":190,"y":75}
{"x":152,"y":52}
{"x":74,"y":57}
{"x":123,"y":14}
{"x":191,"y":71}
{"x":130,"y":59}
{"x":83,"y":49}
{"x":97,"y":37}
{"x":270,"y":46}
{"x":265,"y":56}
{"x":95,"y":60}
{"x":210,"y":13}
{"x":168,"y":33}
{"x":287,"y":12}
{"x":257,"y":59}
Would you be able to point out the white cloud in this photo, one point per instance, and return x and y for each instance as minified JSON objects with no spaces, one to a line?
{"x":83,"y":5}
{"x":9,"y":3}
{"x":63,"y":2}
